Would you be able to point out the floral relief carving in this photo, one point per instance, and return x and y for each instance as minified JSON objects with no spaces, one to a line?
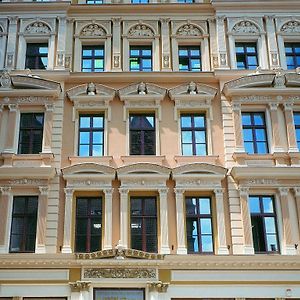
{"x":79,"y":286}
{"x":93,"y":30}
{"x":140,"y":30}
{"x":5,"y":80}
{"x":119,"y":273}
{"x":189,"y":30}
{"x":245,"y":27}
{"x":291,"y":27}
{"x":37,"y":28}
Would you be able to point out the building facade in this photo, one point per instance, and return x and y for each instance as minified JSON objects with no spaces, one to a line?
{"x":149,"y":149}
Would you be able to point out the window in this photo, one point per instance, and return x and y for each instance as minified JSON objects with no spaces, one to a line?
{"x":31,"y":133}
{"x":94,"y":1}
{"x":193,"y":134}
{"x":189,"y":58}
{"x":142,"y":134}
{"x":255,"y":133}
{"x":292,"y":53}
{"x":143,"y":223}
{"x":297,"y":127}
{"x":140,"y":58}
{"x":185,"y":1}
{"x":92,"y":59}
{"x":139,"y":1}
{"x":118,"y":294}
{"x":91,"y":135}
{"x":263,"y":221}
{"x":37,"y":56}
{"x":23,"y":225}
{"x":199,"y":225}
{"x":88,"y":224}
{"x":246,"y":56}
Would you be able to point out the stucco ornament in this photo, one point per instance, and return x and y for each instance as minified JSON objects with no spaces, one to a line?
{"x":291,"y":27}
{"x":37,"y":28}
{"x":142,"y":89}
{"x":245,"y":27}
{"x":192,"y":88}
{"x":93,"y":30}
{"x":189,"y":30}
{"x":91,"y":89}
{"x":5,"y":80}
{"x":119,"y":273}
{"x":140,"y":30}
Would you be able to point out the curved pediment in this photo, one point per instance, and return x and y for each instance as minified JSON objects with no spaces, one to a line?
{"x":8,"y":81}
{"x":199,"y":169}
{"x":142,"y":89}
{"x":88,"y":168}
{"x":192,"y":89}
{"x":140,"y":169}
{"x":91,"y":89}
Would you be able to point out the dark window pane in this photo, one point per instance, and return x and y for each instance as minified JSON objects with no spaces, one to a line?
{"x":246,"y":55}
{"x":36,"y":56}
{"x":292,"y":52}
{"x":140,"y":58}
{"x":92,"y":58}
{"x":189,"y":58}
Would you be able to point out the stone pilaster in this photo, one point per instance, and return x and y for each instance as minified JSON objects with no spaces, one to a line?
{"x":11,"y":43}
{"x":272,"y":42}
{"x":297,"y":195}
{"x":164,"y":228}
{"x":238,"y":128}
{"x":165,"y":39}
{"x":275,"y":127}
{"x":108,"y":219}
{"x":124,"y":225}
{"x":180,"y":217}
{"x":4,"y":207}
{"x":221,"y":43}
{"x":290,"y":127}
{"x":116,"y":45}
{"x":68,"y":221}
{"x":61,"y":43}
{"x":11,"y":134}
{"x":48,"y":123}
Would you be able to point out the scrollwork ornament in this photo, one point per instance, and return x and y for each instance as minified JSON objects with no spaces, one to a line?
{"x":189,"y":30}
{"x":246,"y":27}
{"x":37,"y":28}
{"x":93,"y":30}
{"x":140,"y":30}
{"x":291,"y":27}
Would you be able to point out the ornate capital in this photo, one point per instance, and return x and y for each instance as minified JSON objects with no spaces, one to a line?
{"x":116,"y":19}
{"x":288,"y":106}
{"x":273,"y":106}
{"x":297,"y":191}
{"x":79,"y":286}
{"x":13,"y":19}
{"x":49,"y":107}
{"x":283,"y":191}
{"x":179,"y":191}
{"x":44,"y":190}
{"x":108,"y":192}
{"x":5,"y":190}
{"x":219,"y":192}
{"x":236,"y":106}
{"x":123,"y":192}
{"x":244,"y":191}
{"x":13,"y":107}
{"x":164,"y":20}
{"x":163,"y":192}
{"x":158,"y":286}
{"x":69,"y":192}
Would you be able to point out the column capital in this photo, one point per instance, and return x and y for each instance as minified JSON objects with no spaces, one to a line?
{"x":273,"y":106}
{"x":69,"y":191}
{"x":244,"y":191}
{"x":236,"y":106}
{"x":283,"y":191}
{"x":158,"y":286}
{"x":44,"y":190}
{"x":116,"y":19}
{"x":70,"y":20}
{"x":13,"y":19}
{"x":164,"y":20}
{"x":219,"y":191}
{"x":108,"y":192}
{"x":1,"y":108}
{"x":297,"y":191}
{"x":49,"y":107}
{"x":62,"y":18}
{"x":211,"y":20}
{"x":80,"y":286}
{"x":5,"y":190}
{"x":163,"y":191}
{"x":221,"y":18}
{"x":269,"y":17}
{"x":123,"y":191}
{"x":179,"y":191}
{"x":13,"y":107}
{"x":288,"y":106}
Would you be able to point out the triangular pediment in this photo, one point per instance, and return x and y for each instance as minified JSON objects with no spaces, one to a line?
{"x":141,"y":90}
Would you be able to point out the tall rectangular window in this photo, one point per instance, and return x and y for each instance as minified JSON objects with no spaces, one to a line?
{"x":88,"y":224}
{"x":36,"y":56}
{"x":199,"y":225}
{"x":31,"y":133}
{"x":91,"y":135}
{"x":263,"y":221}
{"x":193,"y":134}
{"x":143,"y":223}
{"x":246,"y":56}
{"x":255,"y":132}
{"x":142,"y":134}
{"x":140,"y":58}
{"x":297,"y":127}
{"x":292,"y":53}
{"x":23,"y":225}
{"x":189,"y":58}
{"x":92,"y":59}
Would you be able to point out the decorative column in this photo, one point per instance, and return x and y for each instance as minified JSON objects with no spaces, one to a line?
{"x":61,"y":43}
{"x":158,"y":290}
{"x":175,"y":58}
{"x":275,"y":127}
{"x":116,"y":45}
{"x":180,"y":217}
{"x":164,"y":228}
{"x":214,"y":61}
{"x":12,"y":42}
{"x":156,"y":54}
{"x":108,"y":219}
{"x":69,"y":46}
{"x":124,"y":225}
{"x":48,"y":123}
{"x":3,"y":39}
{"x":4,"y":206}
{"x":287,"y":229}
{"x":222,"y":244}
{"x":272,"y":42}
{"x":77,"y":54}
{"x":297,"y":195}
{"x":263,"y":57}
{"x":238,"y":128}
{"x":221,"y":43}
{"x":80,"y":290}
{"x":1,"y":126}
{"x":68,"y":220}
{"x":205,"y":51}
{"x":165,"y":38}
{"x":42,"y":220}
{"x":12,"y":122}
{"x":281,"y":49}
{"x":290,"y":127}
{"x":248,"y":238}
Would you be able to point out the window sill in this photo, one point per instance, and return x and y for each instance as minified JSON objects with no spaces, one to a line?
{"x":103,"y":160}
{"x":208,"y":159}
{"x":154,"y":159}
{"x":262,"y":160}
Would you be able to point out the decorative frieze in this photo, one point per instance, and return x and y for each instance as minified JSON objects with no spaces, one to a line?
{"x":140,"y":31}
{"x":245,"y":27}
{"x":37,"y":28}
{"x":119,"y":273}
{"x":189,"y":30}
{"x":93,"y":30}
